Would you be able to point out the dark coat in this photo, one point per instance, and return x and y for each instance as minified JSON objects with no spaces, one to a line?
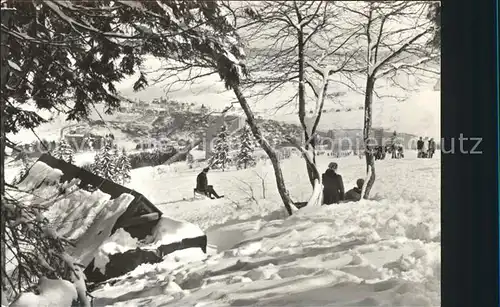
{"x":353,"y":194}
{"x":202,"y":182}
{"x":432,"y":145}
{"x":333,"y":187}
{"x":420,"y":144}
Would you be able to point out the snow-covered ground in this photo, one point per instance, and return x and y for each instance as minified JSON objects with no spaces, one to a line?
{"x":380,"y":252}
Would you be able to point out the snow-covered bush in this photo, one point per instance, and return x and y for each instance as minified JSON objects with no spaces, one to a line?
{"x":34,"y":250}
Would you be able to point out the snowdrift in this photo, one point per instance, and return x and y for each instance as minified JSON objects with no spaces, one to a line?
{"x":122,"y":253}
{"x":379,"y":252}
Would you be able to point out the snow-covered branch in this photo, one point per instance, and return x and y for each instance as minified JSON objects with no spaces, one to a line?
{"x":402,"y":65}
{"x":398,"y":51}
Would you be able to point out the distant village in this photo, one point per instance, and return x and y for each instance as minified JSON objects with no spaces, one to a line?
{"x":169,"y":124}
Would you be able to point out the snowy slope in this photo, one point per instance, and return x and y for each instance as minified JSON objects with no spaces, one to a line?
{"x":385,"y":251}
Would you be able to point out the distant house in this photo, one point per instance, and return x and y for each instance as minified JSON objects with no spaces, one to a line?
{"x":139,"y":219}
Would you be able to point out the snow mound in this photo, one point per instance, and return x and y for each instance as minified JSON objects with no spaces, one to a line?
{"x":40,"y":173}
{"x":169,"y":230}
{"x":197,"y":154}
{"x":166,"y":231}
{"x":53,"y":292}
{"x":120,"y":242}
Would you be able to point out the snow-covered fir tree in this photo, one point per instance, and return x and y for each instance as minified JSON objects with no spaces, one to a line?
{"x":95,"y":167}
{"x":108,"y":160}
{"x":64,"y":151}
{"x":245,"y":156}
{"x":105,"y":162}
{"x":123,"y":167}
{"x":221,"y":150}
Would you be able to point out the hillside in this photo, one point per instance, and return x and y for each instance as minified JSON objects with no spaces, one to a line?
{"x":141,"y":125}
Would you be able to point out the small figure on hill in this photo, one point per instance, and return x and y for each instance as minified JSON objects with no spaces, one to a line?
{"x":354,"y":194}
{"x":432,"y":148}
{"x":203,"y":187}
{"x":333,"y":186}
{"x":420,"y":147}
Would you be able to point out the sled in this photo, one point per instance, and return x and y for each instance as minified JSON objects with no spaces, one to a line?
{"x":199,"y":195}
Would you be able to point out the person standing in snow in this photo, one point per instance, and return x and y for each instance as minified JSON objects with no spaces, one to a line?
{"x":203,"y":187}
{"x":333,"y":186}
{"x":424,"y":149}
{"x":420,"y":147}
{"x":354,"y":194}
{"x":401,"y":153}
{"x":431,"y":149}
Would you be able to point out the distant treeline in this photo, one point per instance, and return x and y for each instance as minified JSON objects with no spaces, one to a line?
{"x":77,"y":143}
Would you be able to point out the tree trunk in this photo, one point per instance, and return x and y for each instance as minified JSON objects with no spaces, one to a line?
{"x":370,"y":161}
{"x":5,"y":15}
{"x":302,"y":100}
{"x":280,"y":182}
{"x":263,"y":182}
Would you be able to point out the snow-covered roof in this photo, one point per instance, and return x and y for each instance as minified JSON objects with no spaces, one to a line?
{"x":87,"y":216}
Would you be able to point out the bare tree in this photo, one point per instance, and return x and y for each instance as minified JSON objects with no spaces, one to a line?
{"x":184,"y":72}
{"x":395,"y":44}
{"x":262,"y":177}
{"x":283,"y":30}
{"x":298,"y":45}
{"x":249,"y":191}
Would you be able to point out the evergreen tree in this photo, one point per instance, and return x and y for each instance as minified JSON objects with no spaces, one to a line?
{"x":220,"y":158}
{"x":245,"y":155}
{"x":96,"y":166}
{"x":78,"y":51}
{"x":64,"y":152}
{"x":108,"y":161}
{"x":105,"y":162}
{"x":123,"y":167}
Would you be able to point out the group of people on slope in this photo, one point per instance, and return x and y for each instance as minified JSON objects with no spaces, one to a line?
{"x":426,"y":152}
{"x":333,"y":187}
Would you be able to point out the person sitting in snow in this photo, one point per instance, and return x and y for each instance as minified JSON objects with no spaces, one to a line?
{"x":354,"y":194}
{"x":203,"y":187}
{"x":333,"y":186}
